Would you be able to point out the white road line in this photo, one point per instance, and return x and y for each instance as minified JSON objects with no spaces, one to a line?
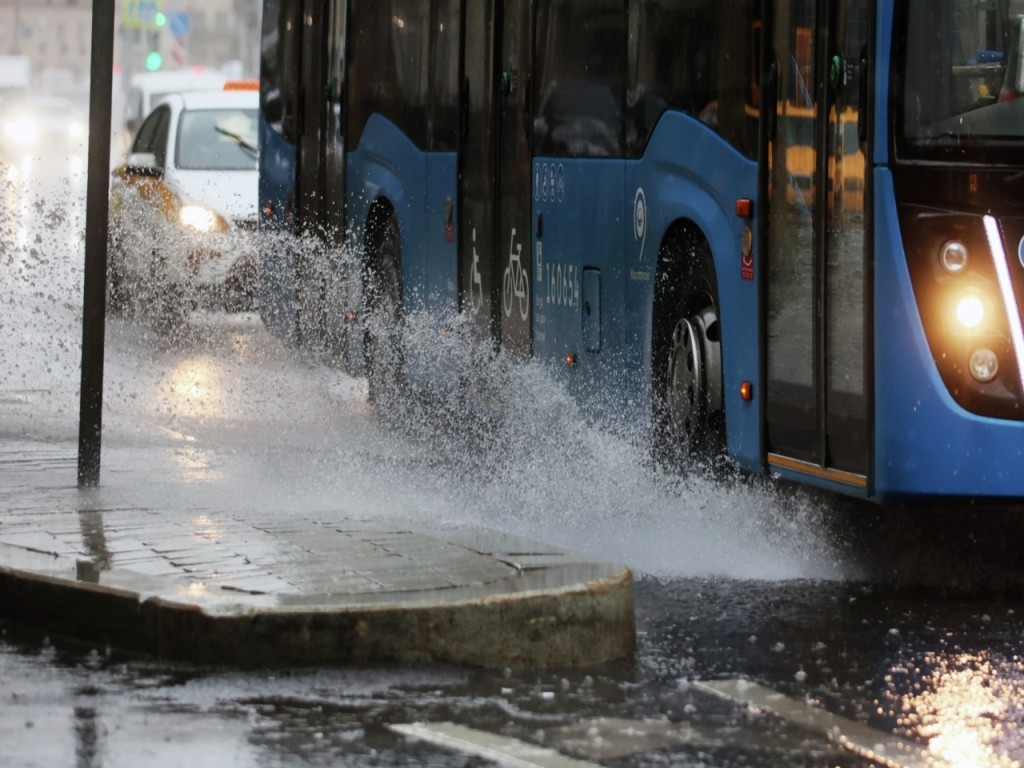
{"x":501,"y":749}
{"x":890,"y":751}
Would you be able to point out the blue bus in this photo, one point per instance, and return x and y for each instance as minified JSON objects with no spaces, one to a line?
{"x":789,"y":231}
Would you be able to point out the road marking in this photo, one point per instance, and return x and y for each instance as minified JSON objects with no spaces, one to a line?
{"x":501,"y":749}
{"x":890,"y":751}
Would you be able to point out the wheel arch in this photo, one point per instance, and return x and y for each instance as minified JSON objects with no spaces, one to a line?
{"x":669,"y":283}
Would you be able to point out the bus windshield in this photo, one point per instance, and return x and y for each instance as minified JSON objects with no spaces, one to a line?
{"x":960,"y":97}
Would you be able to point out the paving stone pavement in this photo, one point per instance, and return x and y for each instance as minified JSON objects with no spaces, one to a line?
{"x":178,"y":579}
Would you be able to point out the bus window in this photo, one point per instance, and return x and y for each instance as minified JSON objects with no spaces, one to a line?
{"x":959,"y":72}
{"x":1013,"y":80}
{"x":278,"y":67}
{"x":697,"y":58}
{"x":581,"y":60}
{"x":444,"y":73}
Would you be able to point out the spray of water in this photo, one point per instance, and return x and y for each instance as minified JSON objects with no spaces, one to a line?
{"x":260,"y":425}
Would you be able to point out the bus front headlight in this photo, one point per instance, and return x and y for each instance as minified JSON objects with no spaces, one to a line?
{"x":984,"y":365}
{"x":970,"y":311}
{"x":953,"y":257}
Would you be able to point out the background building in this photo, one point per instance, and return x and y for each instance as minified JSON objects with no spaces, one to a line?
{"x":55,"y":36}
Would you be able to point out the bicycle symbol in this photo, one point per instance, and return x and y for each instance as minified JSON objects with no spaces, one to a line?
{"x":476,"y":286}
{"x":515,"y":284}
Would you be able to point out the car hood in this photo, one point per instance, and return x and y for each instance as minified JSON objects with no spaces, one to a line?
{"x":233,"y":194}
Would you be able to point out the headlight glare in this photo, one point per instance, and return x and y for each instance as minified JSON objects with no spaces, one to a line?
{"x":970,"y":311}
{"x":198,"y":218}
{"x":953,"y":257}
{"x":21,"y":131}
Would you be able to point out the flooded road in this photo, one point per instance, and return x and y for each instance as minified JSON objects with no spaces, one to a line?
{"x":906,"y":623}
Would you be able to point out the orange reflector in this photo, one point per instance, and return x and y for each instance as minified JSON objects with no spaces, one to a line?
{"x":745,"y":208}
{"x":242,"y":85}
{"x":746,"y":390}
{"x":570,"y":359}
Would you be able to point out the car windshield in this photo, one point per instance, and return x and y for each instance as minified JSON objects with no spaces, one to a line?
{"x":217,"y":140}
{"x":960,"y":94}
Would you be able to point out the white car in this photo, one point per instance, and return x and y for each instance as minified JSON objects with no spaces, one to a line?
{"x":183,"y":207}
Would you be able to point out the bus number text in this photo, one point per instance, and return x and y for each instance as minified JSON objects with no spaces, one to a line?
{"x":563,"y":284}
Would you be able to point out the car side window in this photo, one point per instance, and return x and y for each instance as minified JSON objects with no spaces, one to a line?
{"x":152,"y":136}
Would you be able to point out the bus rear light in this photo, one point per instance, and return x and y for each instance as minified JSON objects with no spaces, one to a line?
{"x":745,"y":208}
{"x":953,"y":257}
{"x":984,"y":365}
{"x":746,"y":391}
{"x":970,"y":311}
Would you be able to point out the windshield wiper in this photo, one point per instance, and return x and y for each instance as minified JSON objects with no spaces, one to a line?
{"x":252,"y":150}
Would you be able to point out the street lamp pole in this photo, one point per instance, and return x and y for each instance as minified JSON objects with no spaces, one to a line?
{"x":94,"y":303}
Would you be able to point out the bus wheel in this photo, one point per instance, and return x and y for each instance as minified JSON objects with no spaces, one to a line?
{"x":382,"y":292}
{"x":689,"y":407}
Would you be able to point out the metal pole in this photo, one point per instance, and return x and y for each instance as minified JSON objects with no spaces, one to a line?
{"x":94,"y":303}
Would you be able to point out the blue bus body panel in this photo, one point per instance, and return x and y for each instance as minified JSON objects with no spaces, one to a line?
{"x":926,"y":444}
{"x":610,"y":216}
{"x":387,"y":166}
{"x":689,"y":172}
{"x":580,"y":205}
{"x":277,"y":291}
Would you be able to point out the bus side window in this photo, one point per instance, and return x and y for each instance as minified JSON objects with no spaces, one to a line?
{"x":581,"y":55}
{"x":693,"y":57}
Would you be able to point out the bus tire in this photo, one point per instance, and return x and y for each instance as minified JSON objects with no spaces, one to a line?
{"x":382,"y":298}
{"x":689,"y":411}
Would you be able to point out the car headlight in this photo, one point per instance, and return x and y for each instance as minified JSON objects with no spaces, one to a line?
{"x":21,"y":131}
{"x":200,"y":219}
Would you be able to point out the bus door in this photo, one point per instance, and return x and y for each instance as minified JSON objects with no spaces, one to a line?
{"x":477,"y":171}
{"x":818,"y":334}
{"x":320,"y":179}
{"x":494,"y":172}
{"x":514,"y":226}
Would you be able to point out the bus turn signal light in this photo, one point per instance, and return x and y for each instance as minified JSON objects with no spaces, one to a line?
{"x":745,"y":208}
{"x":570,"y":359}
{"x":746,"y":391}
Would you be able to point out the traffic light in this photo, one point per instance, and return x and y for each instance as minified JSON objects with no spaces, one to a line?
{"x":154,"y":60}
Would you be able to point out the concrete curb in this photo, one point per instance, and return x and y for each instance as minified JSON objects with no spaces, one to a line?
{"x":582,"y":623}
{"x":142,"y":567}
